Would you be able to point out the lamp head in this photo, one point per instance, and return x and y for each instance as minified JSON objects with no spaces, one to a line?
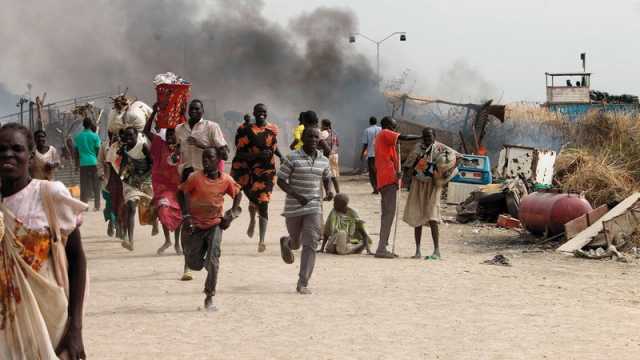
{"x":352,"y":38}
{"x":403,"y":37}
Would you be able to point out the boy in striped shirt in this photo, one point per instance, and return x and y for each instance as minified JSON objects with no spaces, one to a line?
{"x":300,"y":177}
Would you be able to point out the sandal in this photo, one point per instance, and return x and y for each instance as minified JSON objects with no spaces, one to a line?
{"x":187,"y":276}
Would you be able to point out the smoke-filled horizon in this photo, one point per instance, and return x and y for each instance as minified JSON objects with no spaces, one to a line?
{"x":228,"y":50}
{"x":231,"y":52}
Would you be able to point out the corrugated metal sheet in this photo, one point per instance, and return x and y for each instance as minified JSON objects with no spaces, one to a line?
{"x":533,"y":164}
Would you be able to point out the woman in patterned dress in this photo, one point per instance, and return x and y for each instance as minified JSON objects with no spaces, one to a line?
{"x":254,"y":167}
{"x":43,"y":269}
{"x":135,"y":171}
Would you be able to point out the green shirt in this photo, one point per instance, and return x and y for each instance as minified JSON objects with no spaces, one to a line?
{"x":348,"y":222}
{"x":88,"y":144}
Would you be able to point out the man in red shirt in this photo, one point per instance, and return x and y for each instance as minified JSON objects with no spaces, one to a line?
{"x":388,"y":176}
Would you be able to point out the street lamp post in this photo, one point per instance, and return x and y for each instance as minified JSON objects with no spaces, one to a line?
{"x":403,"y":37}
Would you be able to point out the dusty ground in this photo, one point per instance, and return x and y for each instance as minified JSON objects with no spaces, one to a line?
{"x":544,"y":306}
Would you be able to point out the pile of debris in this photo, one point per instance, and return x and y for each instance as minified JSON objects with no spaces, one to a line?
{"x":607,"y":234}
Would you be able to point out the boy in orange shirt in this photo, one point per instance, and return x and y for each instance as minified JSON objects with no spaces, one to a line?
{"x":204,"y":201}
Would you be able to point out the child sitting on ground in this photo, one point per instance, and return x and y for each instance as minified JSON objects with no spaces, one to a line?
{"x":344,"y":232}
{"x":204,"y":199}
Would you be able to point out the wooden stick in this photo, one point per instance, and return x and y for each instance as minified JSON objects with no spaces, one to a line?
{"x":395,"y":231}
{"x":464,"y":144}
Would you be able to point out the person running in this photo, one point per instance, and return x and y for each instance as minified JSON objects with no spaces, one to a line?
{"x":135,"y":171}
{"x":344,"y":232}
{"x":387,"y":178}
{"x":104,"y":170}
{"x":330,"y":144}
{"x":115,"y":187}
{"x":44,"y":268}
{"x":194,"y":136}
{"x":204,"y":194}
{"x":45,"y":158}
{"x":301,"y":176}
{"x":254,"y":168}
{"x":369,"y":150}
{"x":165,"y":181}
{"x":432,"y":165}
{"x":297,"y":134}
{"x":87,"y":145}
{"x":246,"y":120}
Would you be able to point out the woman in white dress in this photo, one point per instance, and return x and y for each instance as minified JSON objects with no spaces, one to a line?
{"x":45,"y":158}
{"x":43,"y":269}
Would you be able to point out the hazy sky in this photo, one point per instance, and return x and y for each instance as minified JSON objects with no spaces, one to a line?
{"x":499,"y":48}
{"x":511,"y":43}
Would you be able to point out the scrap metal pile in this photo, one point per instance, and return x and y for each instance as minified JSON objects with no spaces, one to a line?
{"x":605,"y":97}
{"x":581,"y":199}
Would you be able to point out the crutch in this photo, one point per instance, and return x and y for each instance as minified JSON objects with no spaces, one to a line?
{"x":395,"y":230}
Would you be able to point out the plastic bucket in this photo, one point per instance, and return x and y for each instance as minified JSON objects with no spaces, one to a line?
{"x":172,"y":102}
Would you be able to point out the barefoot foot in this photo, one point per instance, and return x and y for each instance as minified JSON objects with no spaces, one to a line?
{"x":208,"y":303}
{"x":252,"y":228}
{"x":110,"y":229}
{"x":127,"y":245}
{"x":164,"y":247}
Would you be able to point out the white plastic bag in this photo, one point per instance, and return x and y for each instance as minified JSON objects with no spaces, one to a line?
{"x":135,"y":115}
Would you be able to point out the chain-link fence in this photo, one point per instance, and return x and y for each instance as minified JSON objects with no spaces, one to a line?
{"x":61,"y":120}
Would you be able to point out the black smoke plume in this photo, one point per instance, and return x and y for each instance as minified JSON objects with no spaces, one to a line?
{"x":233,"y":55}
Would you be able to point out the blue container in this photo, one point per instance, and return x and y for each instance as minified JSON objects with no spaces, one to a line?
{"x":474,"y":169}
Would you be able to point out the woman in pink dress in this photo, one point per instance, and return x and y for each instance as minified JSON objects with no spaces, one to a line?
{"x":165,"y":180}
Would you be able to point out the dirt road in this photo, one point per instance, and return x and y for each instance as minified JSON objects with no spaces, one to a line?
{"x":544,"y":306}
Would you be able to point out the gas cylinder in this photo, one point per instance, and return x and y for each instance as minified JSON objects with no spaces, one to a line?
{"x":542,"y":211}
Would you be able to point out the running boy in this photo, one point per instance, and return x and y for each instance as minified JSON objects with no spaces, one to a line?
{"x":204,"y":201}
{"x":301,"y":176}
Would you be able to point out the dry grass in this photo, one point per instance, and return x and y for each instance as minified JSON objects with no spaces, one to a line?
{"x":603,"y":158}
{"x":600,"y":177}
{"x":528,"y":112}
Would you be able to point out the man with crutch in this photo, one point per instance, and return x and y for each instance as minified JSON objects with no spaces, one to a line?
{"x":388,"y":177}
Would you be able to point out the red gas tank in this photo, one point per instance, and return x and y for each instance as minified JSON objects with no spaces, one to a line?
{"x":540,"y":211}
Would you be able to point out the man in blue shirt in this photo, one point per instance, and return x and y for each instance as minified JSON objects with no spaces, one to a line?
{"x":369,"y":146}
{"x":87,"y":145}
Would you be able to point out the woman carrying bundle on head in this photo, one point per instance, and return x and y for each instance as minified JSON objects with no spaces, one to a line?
{"x":165,"y":180}
{"x":135,"y":171}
